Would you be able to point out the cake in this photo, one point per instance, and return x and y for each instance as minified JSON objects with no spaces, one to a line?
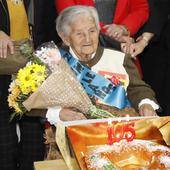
{"x":106,"y":144}
{"x":123,"y":155}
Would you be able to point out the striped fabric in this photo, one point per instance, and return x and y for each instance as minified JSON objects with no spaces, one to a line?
{"x":105,"y":10}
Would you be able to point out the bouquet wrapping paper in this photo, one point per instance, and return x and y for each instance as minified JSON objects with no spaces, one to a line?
{"x":61,"y":88}
{"x":46,"y":81}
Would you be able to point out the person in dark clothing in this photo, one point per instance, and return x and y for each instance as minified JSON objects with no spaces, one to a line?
{"x":157,"y":54}
{"x":14,"y":26}
{"x":152,"y":45}
{"x":49,"y":22}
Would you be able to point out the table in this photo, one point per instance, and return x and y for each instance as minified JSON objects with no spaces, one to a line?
{"x":50,"y":165}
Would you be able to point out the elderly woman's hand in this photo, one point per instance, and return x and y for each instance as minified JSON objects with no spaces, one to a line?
{"x":147,"y":110}
{"x":5,"y":44}
{"x":70,"y":115}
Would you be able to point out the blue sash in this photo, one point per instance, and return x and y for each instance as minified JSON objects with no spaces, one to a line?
{"x":97,"y":85}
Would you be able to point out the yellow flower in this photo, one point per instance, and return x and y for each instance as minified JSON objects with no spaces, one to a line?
{"x":30,"y":77}
{"x":39,"y":74}
{"x":17,"y":108}
{"x":27,"y":81}
{"x":15,"y":90}
{"x":11,"y":100}
{"x":14,"y":94}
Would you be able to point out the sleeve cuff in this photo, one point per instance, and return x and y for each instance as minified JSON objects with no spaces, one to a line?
{"x":148,"y":101}
{"x":53,"y":115}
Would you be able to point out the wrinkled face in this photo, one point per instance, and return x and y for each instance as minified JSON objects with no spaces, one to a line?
{"x":83,"y":37}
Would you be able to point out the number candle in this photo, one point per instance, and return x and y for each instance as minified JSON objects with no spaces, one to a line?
{"x":110,"y":132}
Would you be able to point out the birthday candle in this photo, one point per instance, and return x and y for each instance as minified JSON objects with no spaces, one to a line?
{"x":110,"y":132}
{"x":128,"y":128}
{"x":118,"y":132}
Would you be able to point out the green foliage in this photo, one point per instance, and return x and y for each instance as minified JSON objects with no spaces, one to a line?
{"x":28,"y":52}
{"x":97,"y":113}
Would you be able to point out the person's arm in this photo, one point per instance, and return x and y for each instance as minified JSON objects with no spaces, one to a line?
{"x":56,"y":114}
{"x":148,"y":107}
{"x":145,"y":37}
{"x":137,"y":16}
{"x":132,"y":22}
{"x":159,"y":11}
{"x":138,"y":90}
{"x":5,"y":45}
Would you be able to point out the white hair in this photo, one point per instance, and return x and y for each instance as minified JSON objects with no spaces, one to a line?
{"x":69,"y":15}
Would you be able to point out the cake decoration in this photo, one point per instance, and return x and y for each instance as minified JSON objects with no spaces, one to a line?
{"x":124,"y":155}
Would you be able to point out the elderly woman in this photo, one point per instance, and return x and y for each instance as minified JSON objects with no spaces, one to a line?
{"x":78,"y":27}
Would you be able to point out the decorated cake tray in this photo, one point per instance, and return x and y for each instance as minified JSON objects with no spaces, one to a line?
{"x":116,"y":144}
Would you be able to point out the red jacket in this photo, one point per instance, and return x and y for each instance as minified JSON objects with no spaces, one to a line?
{"x":131,"y":13}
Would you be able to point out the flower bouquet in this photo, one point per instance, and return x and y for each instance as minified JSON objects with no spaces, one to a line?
{"x":26,"y":81}
{"x":47,"y":81}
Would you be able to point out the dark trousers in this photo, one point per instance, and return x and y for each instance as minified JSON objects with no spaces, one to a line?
{"x":14,"y":155}
{"x":8,"y":136}
{"x":31,"y":146}
{"x":21,"y":156}
{"x":8,"y":143}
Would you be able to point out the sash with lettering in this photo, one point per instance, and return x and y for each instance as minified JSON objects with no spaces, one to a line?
{"x":97,"y":85}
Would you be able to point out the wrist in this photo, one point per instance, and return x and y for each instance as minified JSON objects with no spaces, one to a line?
{"x":125,"y":30}
{"x":143,"y":39}
{"x":144,"y":42}
{"x":53,"y":115}
{"x":154,"y":105}
{"x":146,"y":36}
